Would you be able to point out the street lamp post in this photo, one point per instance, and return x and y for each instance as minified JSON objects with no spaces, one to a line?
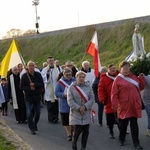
{"x":36,"y":3}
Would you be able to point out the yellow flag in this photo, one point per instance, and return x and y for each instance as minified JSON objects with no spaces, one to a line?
{"x":11,"y":59}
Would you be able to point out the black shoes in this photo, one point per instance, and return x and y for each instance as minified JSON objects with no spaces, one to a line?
{"x":74,"y":147}
{"x":100,"y":124}
{"x":121,"y":143}
{"x":138,"y":146}
{"x":55,"y":120}
{"x":33,"y":131}
{"x":112,"y":135}
{"x":22,"y":122}
{"x":69,"y":138}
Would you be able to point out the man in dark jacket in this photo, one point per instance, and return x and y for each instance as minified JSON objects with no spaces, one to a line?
{"x":69,"y":64}
{"x":32,"y":84}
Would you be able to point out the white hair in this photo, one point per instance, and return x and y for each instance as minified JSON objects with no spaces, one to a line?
{"x":31,"y":62}
{"x":44,"y":63}
{"x":85,"y":62}
{"x":103,"y":69}
{"x":14,"y":68}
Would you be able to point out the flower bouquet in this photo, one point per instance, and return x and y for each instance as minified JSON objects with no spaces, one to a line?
{"x":141,"y":64}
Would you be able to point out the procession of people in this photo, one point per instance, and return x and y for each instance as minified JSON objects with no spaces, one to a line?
{"x":73,"y":98}
{"x":71,"y":92}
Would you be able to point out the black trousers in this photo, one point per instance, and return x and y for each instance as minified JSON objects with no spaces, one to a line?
{"x":123,"y":123}
{"x":20,"y":115}
{"x":100,"y":112}
{"x":78,"y":129}
{"x":52,"y":109}
{"x":5,"y":106}
{"x":111,"y":120}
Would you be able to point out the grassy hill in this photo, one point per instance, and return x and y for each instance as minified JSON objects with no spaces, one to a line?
{"x":114,"y":45}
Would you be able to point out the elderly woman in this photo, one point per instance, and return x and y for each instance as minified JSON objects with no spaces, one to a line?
{"x":80,"y":98}
{"x":127,"y":101}
{"x":89,"y":71}
{"x":61,"y":92}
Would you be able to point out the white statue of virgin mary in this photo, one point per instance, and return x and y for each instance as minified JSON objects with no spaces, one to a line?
{"x":138,"y":42}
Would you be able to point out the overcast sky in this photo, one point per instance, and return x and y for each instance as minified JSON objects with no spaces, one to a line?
{"x":61,"y":14}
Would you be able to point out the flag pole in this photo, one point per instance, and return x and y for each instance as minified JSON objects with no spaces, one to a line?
{"x":85,"y":52}
{"x":83,"y":56}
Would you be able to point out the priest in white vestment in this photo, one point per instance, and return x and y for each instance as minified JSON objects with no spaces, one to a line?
{"x":50,"y":75}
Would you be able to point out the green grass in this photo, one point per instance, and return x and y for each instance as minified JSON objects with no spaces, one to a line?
{"x":115,"y":44}
{"x":5,"y":144}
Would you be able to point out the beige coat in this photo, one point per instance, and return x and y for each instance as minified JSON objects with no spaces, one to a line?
{"x":75,"y":101}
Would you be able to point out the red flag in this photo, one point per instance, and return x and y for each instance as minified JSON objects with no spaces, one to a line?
{"x":93,"y":51}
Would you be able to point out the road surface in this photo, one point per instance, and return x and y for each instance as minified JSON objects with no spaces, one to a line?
{"x":53,"y":136}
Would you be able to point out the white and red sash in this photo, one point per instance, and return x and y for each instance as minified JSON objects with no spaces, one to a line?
{"x":111,"y":77}
{"x":81,"y":93}
{"x":129,"y":80}
{"x":85,"y":99}
{"x":63,"y":83}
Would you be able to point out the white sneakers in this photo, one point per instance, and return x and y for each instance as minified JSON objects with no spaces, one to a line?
{"x":147,"y":132}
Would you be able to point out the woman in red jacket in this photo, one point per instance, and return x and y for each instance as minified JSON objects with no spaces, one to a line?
{"x":104,"y":95}
{"x":126,"y":99}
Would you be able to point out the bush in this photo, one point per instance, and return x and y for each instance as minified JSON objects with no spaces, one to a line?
{"x":141,"y":65}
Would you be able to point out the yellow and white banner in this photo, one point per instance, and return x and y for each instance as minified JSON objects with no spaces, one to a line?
{"x":11,"y":59}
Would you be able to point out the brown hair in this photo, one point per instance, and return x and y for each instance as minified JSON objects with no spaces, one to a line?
{"x":50,"y":57}
{"x":123,"y":63}
{"x":66,"y":70}
{"x":110,"y":65}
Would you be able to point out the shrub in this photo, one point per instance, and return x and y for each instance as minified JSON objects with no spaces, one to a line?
{"x":141,"y":64}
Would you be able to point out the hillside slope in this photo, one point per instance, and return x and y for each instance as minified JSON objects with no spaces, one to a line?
{"x":114,"y":44}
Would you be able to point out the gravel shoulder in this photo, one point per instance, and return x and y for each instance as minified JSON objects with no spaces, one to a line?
{"x":11,"y":136}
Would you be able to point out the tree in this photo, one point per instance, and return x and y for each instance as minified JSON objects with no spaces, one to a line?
{"x":13,"y":33}
{"x":28,"y":32}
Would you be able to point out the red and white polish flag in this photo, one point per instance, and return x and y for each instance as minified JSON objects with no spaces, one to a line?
{"x":93,"y":51}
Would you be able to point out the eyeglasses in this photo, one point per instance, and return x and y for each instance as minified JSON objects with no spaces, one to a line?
{"x":68,"y":75}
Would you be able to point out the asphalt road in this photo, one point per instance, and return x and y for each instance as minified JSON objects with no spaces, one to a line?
{"x":53,"y":136}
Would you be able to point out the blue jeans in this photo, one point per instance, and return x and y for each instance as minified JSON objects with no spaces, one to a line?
{"x":33,"y":110}
{"x":147,"y":109}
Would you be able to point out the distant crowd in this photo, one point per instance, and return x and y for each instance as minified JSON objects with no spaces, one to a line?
{"x":71,"y":92}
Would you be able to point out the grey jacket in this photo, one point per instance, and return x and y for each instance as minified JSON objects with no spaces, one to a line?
{"x":75,"y":101}
{"x":146,"y":91}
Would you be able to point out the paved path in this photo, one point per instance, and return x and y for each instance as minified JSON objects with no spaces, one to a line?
{"x":53,"y":136}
